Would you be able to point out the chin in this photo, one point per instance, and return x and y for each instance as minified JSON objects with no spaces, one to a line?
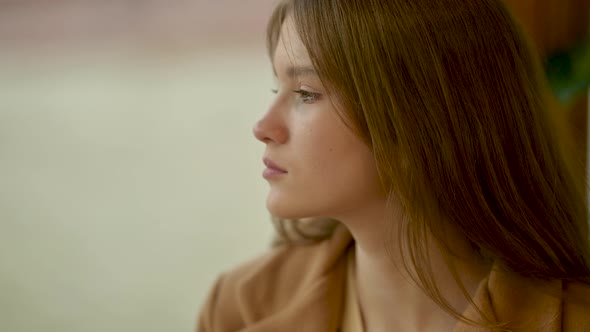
{"x":286,"y":209}
{"x":282,"y":212}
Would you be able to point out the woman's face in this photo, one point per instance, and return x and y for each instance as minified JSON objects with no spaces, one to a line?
{"x":325,"y":170}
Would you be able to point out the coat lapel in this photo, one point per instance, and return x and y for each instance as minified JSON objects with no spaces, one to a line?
{"x":304,"y":288}
{"x":524,"y":305}
{"x":312,"y":299}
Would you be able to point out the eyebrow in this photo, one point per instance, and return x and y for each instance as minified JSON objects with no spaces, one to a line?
{"x":296,"y":71}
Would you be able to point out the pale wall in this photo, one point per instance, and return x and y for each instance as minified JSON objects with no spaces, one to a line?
{"x":126,"y":185}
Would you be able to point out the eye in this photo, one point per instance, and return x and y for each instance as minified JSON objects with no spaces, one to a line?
{"x":308,"y":97}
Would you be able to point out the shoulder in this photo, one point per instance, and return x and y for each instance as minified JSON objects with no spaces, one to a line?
{"x":262,"y":286}
{"x":527,"y":304}
{"x":576,"y":307}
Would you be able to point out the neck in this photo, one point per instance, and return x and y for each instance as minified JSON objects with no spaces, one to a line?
{"x":388,"y":297}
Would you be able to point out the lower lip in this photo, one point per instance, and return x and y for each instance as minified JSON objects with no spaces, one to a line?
{"x":272,"y":173}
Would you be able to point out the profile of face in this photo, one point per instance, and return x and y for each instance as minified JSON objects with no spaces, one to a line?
{"x":316,"y":166}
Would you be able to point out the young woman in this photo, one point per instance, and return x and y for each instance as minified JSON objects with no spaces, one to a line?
{"x":417,"y":176}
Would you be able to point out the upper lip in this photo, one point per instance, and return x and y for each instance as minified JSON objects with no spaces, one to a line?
{"x":270,"y":164}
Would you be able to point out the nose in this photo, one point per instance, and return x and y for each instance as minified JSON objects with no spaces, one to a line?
{"x":272,"y":127}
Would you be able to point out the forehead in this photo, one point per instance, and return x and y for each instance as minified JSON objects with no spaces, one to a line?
{"x":290,"y":49}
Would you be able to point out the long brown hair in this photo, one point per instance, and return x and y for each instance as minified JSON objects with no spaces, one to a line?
{"x":453,"y":103}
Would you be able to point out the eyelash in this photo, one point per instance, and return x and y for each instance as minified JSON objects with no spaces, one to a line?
{"x":308,"y":94}
{"x":304,"y":95}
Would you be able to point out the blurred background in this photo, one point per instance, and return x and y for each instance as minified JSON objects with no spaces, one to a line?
{"x":129,"y":177}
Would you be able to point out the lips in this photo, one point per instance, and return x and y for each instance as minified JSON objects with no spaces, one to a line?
{"x":271,"y":165}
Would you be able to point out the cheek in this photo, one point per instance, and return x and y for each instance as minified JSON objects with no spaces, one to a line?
{"x":323,"y":151}
{"x":329,"y":154}
{"x":341,"y":159}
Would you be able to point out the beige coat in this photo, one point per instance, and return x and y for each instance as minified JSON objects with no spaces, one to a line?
{"x":302,"y":288}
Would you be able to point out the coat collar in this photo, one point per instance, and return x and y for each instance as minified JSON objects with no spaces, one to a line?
{"x":313,"y":301}
{"x":521,"y":303}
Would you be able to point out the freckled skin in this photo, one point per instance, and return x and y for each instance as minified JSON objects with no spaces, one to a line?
{"x":330,"y":170}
